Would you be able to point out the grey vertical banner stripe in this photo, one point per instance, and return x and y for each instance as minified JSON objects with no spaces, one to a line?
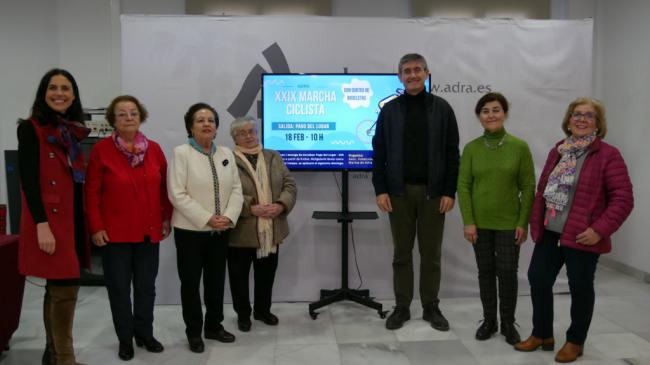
{"x":252,"y":84}
{"x":276,"y":59}
{"x":242,"y":103}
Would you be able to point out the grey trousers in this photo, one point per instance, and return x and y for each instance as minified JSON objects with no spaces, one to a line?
{"x":497,"y":257}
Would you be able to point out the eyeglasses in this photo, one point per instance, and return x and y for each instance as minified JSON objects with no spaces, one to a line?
{"x":123,"y":115}
{"x":246,"y":133}
{"x":583,"y":116}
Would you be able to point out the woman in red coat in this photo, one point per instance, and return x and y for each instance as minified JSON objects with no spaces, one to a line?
{"x":53,"y":240}
{"x":584,"y":195}
{"x":128,"y":215}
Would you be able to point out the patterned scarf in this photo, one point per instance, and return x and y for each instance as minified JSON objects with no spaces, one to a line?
{"x":68,"y":135}
{"x":264,"y":196}
{"x":562,"y":177}
{"x":136,"y":154}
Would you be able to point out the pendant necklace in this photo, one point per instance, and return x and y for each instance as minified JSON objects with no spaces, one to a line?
{"x":495,"y":146}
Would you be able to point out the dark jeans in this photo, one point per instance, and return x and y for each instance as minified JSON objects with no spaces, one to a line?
{"x":201,"y":254}
{"x":239,"y":266}
{"x":126,"y":263}
{"x":545,"y":264}
{"x":413,"y":214}
{"x":497,"y":257}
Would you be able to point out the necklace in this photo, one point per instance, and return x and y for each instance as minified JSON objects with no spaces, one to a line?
{"x":494,"y":146}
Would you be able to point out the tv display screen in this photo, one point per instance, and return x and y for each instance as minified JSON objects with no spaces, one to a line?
{"x":325,"y":121}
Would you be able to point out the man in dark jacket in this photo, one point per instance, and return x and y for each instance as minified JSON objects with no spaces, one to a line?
{"x":415,"y":168}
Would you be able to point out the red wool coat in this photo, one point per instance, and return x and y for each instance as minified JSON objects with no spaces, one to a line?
{"x":603,"y":198}
{"x":128,"y":203}
{"x":57,"y":193}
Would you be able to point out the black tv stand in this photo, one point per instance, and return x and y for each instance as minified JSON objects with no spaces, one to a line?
{"x":345,"y":217}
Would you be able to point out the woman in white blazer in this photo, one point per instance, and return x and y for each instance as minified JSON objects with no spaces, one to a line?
{"x":205,"y":190}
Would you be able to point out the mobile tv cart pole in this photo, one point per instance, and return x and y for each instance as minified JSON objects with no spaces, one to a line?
{"x":361,"y":296}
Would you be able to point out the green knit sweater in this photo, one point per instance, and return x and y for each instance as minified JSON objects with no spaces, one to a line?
{"x":496,"y":184}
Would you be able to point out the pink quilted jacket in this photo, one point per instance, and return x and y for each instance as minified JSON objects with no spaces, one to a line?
{"x":603,"y":198}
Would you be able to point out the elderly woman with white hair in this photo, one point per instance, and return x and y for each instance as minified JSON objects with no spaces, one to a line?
{"x":269,"y":195}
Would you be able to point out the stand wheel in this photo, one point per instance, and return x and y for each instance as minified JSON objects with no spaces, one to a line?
{"x":313,"y":315}
{"x":382,"y":314}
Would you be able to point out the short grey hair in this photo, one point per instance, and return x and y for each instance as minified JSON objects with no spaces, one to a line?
{"x":412,"y":57}
{"x":240,"y":122}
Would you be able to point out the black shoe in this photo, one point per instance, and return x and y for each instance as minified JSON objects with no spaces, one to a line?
{"x":486,"y":330}
{"x":126,"y":350}
{"x":433,"y":315}
{"x":510,"y":332}
{"x":244,"y":324}
{"x":196,"y":344}
{"x":150,"y":344}
{"x":427,"y":312}
{"x":398,"y":317}
{"x":268,"y":318}
{"x":220,"y":335}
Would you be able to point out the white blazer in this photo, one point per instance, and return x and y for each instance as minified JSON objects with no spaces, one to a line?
{"x":190,"y":187}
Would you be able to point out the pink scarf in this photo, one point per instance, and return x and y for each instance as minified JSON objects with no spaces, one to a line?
{"x":140,"y":146}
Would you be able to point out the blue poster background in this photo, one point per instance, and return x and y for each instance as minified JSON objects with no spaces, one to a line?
{"x":324,"y":121}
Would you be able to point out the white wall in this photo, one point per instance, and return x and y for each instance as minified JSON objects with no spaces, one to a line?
{"x":29,"y":47}
{"x":622,"y":81}
{"x":90,"y":55}
{"x":621,"y":77}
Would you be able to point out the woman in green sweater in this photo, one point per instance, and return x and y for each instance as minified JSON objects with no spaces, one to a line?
{"x":496,"y":186}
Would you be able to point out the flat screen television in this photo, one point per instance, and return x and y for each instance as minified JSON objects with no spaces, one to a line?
{"x":323,"y":121}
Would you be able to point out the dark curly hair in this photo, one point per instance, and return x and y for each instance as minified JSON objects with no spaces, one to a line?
{"x":189,"y":116}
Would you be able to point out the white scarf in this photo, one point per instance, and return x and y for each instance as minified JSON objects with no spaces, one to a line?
{"x":263,"y":189}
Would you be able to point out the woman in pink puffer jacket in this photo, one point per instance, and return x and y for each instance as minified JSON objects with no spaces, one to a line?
{"x":583,"y":196}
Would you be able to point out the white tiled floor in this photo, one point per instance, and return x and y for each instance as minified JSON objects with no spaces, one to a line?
{"x":347,"y":333}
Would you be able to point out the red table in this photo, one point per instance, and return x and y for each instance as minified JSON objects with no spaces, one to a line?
{"x":13,"y":285}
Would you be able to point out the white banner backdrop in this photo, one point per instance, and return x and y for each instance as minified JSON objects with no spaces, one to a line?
{"x":171,"y":62}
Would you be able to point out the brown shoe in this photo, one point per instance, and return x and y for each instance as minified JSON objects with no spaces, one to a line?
{"x":532,"y":343}
{"x":569,"y":352}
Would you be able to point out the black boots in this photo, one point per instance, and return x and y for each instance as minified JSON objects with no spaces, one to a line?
{"x":510,"y":332}
{"x":432,"y":314}
{"x":398,"y":317}
{"x":489,"y":327}
{"x":125,"y":351}
{"x":486,"y":330}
